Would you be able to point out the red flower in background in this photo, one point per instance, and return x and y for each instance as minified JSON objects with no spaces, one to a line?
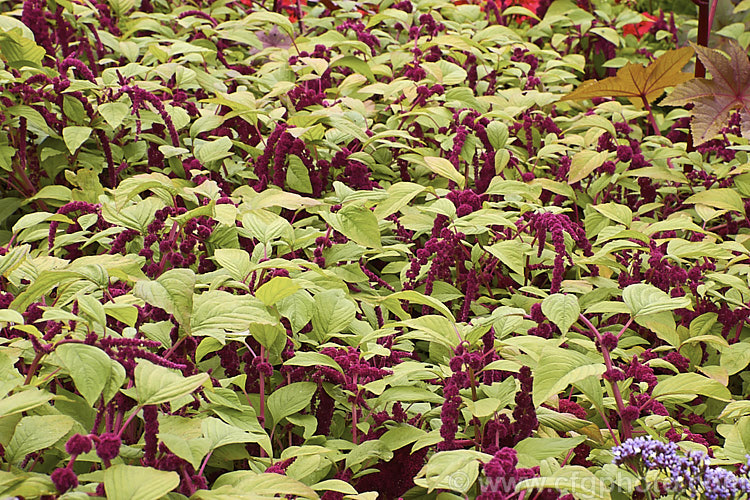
{"x":641,"y":28}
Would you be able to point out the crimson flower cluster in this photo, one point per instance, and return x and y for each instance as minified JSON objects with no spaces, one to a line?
{"x":557,"y":225}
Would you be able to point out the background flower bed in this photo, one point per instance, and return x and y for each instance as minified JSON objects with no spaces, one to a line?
{"x":360,"y":252}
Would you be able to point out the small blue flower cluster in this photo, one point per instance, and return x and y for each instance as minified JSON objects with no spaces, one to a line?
{"x":690,"y":474}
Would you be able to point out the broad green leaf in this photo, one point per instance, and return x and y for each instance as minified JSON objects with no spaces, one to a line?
{"x":155,"y":384}
{"x":10,"y":316}
{"x":511,"y":253}
{"x":357,"y":64}
{"x":618,"y":213}
{"x":23,"y":401}
{"x":18,"y":49}
{"x":432,"y":328}
{"x":219,"y":433}
{"x":217,"y":312}
{"x":14,"y":258}
{"x":691,"y":383}
{"x":89,"y":366}
{"x":192,"y":450}
{"x":562,"y":310}
{"x":583,"y":163}
{"x":172,"y":291}
{"x":214,"y":150}
{"x":559,"y":368}
{"x":297,"y":175}
{"x":721,"y":198}
{"x":334,"y":312}
{"x":114,"y":112}
{"x":94,"y":309}
{"x":367,"y":450}
{"x":290,"y":399}
{"x":303,"y":358}
{"x":276,"y":289}
{"x":235,"y":261}
{"x":35,"y":433}
{"x":399,"y":195}
{"x":644,"y":299}
{"x":75,"y":136}
{"x":455,"y":470}
{"x":298,"y":308}
{"x":532,"y":450}
{"x":574,"y":478}
{"x":129,"y":482}
{"x":271,"y":19}
{"x":736,"y":357}
{"x":444,"y":168}
{"x":263,"y":486}
{"x":44,"y":284}
{"x":418,"y":298}
{"x":359,"y":224}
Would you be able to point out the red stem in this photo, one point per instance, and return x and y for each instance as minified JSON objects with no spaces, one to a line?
{"x":626,"y":427}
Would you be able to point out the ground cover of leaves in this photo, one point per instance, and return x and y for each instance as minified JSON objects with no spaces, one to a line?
{"x":384,"y":250}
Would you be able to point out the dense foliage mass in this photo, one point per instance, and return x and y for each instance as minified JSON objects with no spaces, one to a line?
{"x":373,"y":250}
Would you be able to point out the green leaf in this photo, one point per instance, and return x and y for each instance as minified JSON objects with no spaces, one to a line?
{"x":691,"y":383}
{"x":334,"y":312}
{"x":19,"y":50}
{"x":75,"y":136}
{"x":399,"y":195}
{"x":418,"y":298}
{"x":298,"y":308}
{"x":155,"y":384}
{"x":559,"y":368}
{"x":114,"y":112}
{"x":263,"y":486}
{"x":432,"y":328}
{"x":192,"y":450}
{"x":297,"y":175}
{"x":511,"y":253}
{"x":574,"y":478}
{"x":290,"y":399}
{"x":172,"y":291}
{"x":276,"y":289}
{"x":721,"y":198}
{"x":272,"y":19}
{"x":14,"y":258}
{"x":533,"y":450}
{"x":303,"y":358}
{"x":10,"y":316}
{"x":359,"y":224}
{"x":455,"y":470}
{"x":89,"y":366}
{"x":92,"y":308}
{"x":562,"y":310}
{"x":583,"y":163}
{"x":219,"y":433}
{"x":216,"y":312}
{"x":36,"y":433}
{"x":42,"y":285}
{"x":214,"y":150}
{"x":23,"y":401}
{"x":616,"y":212}
{"x":444,"y":168}
{"x":129,"y":482}
{"x":235,"y":261}
{"x":357,"y":64}
{"x":369,"y":449}
{"x":736,"y":357}
{"x":644,"y":299}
